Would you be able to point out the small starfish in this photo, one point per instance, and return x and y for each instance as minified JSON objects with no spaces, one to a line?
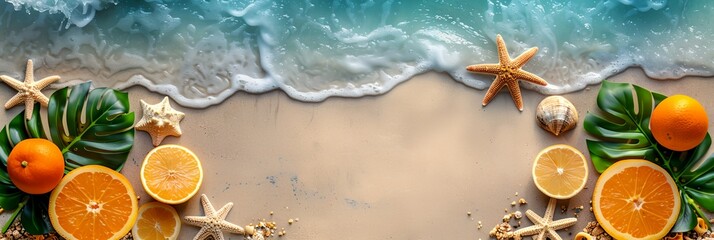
{"x":160,"y":120}
{"x":545,"y":226}
{"x":29,"y":91}
{"x":214,"y":222}
{"x":508,"y":71}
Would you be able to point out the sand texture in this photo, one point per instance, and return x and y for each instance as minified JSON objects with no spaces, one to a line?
{"x":405,"y":165}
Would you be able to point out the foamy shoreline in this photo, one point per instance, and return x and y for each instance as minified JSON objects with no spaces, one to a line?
{"x":313,"y":50}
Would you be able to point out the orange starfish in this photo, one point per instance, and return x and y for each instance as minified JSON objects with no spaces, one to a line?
{"x":508,"y":71}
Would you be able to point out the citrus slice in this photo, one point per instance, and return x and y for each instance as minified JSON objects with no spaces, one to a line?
{"x":636,"y":199}
{"x":560,"y":171}
{"x":156,"y":221}
{"x":93,"y":202}
{"x":171,"y":174}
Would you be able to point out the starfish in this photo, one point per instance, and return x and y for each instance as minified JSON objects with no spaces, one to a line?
{"x":214,"y":222}
{"x":545,"y":226}
{"x":508,"y":71}
{"x":160,"y":120}
{"x":29,"y":91}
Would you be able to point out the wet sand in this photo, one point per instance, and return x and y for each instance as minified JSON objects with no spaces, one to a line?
{"x":405,"y":165}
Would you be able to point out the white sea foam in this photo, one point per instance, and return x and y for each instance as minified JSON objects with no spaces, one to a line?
{"x":201,"y":52}
{"x":77,"y":12}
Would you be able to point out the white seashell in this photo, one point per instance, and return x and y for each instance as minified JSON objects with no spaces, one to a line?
{"x":518,"y":215}
{"x":556,"y":115}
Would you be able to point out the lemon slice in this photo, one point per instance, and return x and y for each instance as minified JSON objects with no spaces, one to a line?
{"x":560,"y":171}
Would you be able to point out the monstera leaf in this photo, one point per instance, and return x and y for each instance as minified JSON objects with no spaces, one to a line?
{"x":89,"y":127}
{"x":622,"y":127}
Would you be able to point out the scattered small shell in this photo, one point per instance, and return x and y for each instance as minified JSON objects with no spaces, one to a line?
{"x":597,"y":231}
{"x":556,"y":115}
{"x":701,"y":226}
{"x":518,"y":214}
{"x":249,"y":230}
{"x":501,"y":231}
{"x":583,"y":236}
{"x":676,"y":236}
{"x":507,"y":217}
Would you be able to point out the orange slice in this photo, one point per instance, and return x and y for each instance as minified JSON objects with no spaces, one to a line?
{"x":560,"y":171}
{"x":171,"y":174}
{"x":156,"y":221}
{"x":93,"y":202}
{"x":636,"y":199}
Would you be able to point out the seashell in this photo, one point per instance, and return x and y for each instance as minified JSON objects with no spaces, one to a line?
{"x":556,"y":115}
{"x":583,"y":236}
{"x":701,"y":227}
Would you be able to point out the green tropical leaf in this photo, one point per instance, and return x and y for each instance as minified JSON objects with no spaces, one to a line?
{"x":106,"y":134}
{"x":15,"y":131}
{"x":622,"y":130}
{"x":685,"y":212}
{"x":624,"y":124}
{"x":89,"y":127}
{"x":34,"y":216}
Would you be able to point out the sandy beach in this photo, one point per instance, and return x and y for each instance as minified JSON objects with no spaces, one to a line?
{"x":408,"y":164}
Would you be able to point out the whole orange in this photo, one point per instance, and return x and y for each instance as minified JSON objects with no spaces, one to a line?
{"x":679,"y":123}
{"x":35,"y":165}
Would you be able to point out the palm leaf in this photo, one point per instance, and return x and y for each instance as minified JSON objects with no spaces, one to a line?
{"x":622,"y":127}
{"x":89,"y":127}
{"x":106,"y":134}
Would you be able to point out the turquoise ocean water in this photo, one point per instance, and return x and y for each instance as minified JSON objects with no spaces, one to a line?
{"x":202,"y":51}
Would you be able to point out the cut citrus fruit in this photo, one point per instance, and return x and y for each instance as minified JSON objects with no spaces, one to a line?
{"x":35,"y":165}
{"x":636,"y":199}
{"x":171,"y":174}
{"x":679,"y":123}
{"x":93,"y":202}
{"x":560,"y":171}
{"x":156,"y":221}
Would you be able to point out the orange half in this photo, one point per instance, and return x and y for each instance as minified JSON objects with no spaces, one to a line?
{"x":171,"y":174}
{"x":93,"y":202}
{"x":636,"y":199}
